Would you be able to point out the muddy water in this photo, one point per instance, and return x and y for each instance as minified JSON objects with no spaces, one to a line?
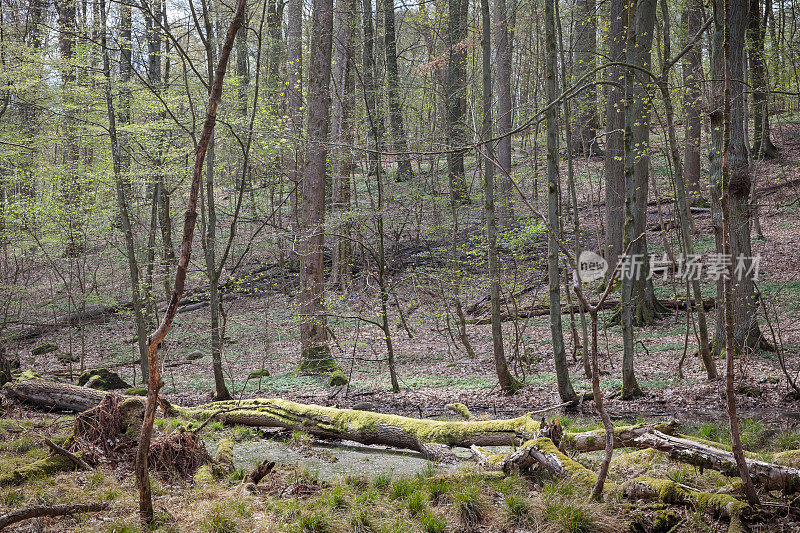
{"x":331,"y":461}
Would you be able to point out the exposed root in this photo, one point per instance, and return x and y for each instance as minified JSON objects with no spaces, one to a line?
{"x":667,"y":491}
{"x":179,"y":454}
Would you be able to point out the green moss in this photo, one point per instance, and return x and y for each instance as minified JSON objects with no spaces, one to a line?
{"x":44,"y":348}
{"x":43,"y":467}
{"x":297,"y":415}
{"x":136,"y":391}
{"x":671,"y":492}
{"x":461,"y":410}
{"x":258,"y":374}
{"x":788,"y":458}
{"x":337,"y":379}
{"x":28,"y":374}
{"x":317,"y":360}
{"x":574,"y":469}
{"x":203,"y":475}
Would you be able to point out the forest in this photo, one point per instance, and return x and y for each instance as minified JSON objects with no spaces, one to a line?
{"x":404,"y":266}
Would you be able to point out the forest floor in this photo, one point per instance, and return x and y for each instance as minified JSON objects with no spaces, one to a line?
{"x":434,"y":370}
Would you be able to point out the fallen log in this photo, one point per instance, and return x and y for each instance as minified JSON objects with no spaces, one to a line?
{"x":540,"y":451}
{"x":768,"y":475}
{"x":48,"y":394}
{"x":670,"y":492}
{"x":46,"y":466}
{"x":541,"y":310}
{"x":432,"y":438}
{"x":624,"y":437}
{"x":49,"y":510}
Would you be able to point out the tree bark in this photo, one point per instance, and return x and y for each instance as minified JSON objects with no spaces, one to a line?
{"x":457,"y":100}
{"x":316,"y":355}
{"x":504,"y":108}
{"x":692,"y":103}
{"x":614,"y":162}
{"x":585,"y":104}
{"x":399,"y":144}
{"x":756,"y":33}
{"x":507,"y":382}
{"x":49,"y":510}
{"x":553,"y":219}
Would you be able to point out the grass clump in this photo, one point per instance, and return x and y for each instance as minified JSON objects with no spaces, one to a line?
{"x":315,"y":521}
{"x":517,"y":509}
{"x":222,"y":518}
{"x":382,"y":482}
{"x":401,"y":489}
{"x":437,"y":490}
{"x":416,"y":503}
{"x":432,"y":523}
{"x":361,"y":522}
{"x":470,"y":506}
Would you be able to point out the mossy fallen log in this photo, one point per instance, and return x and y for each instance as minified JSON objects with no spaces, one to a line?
{"x":47,"y":466}
{"x":624,"y":437}
{"x":222,"y":465}
{"x":540,"y":451}
{"x":668,"y":491}
{"x":767,"y":475}
{"x":429,"y":437}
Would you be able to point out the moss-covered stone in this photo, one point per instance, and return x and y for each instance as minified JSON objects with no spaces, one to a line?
{"x":136,"y":391}
{"x":28,"y":374}
{"x":131,"y":411}
{"x":46,"y":466}
{"x":788,"y":458}
{"x":102,"y":379}
{"x":194,"y":355}
{"x":258,"y":374}
{"x":337,"y":379}
{"x":44,"y":348}
{"x":751,"y":391}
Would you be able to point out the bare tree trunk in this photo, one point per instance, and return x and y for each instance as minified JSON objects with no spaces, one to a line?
{"x":756,"y":32}
{"x":368,"y":78}
{"x":316,"y":354}
{"x":553,"y":220}
{"x":742,"y":267}
{"x":507,"y":382}
{"x":294,"y":82}
{"x":154,"y":340}
{"x":505,"y":113}
{"x":735,"y":185}
{"x":343,"y":139}
{"x":638,"y":301}
{"x":457,"y":100}
{"x":585,"y":105}
{"x":614,"y":163}
{"x":692,"y":75}
{"x":404,"y":171}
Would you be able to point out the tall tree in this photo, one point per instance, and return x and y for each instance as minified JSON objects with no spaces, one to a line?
{"x":614,"y":163}
{"x":343,"y":138}
{"x":458,"y":11}
{"x":316,"y":354}
{"x":585,"y":105}
{"x":504,"y":108}
{"x":756,"y":33}
{"x":209,"y":225}
{"x":731,"y":155}
{"x":553,"y":220}
{"x":734,"y":177}
{"x":368,"y":78}
{"x":404,"y":171}
{"x":294,"y":89}
{"x":507,"y":382}
{"x":639,"y":305}
{"x":692,"y":102}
